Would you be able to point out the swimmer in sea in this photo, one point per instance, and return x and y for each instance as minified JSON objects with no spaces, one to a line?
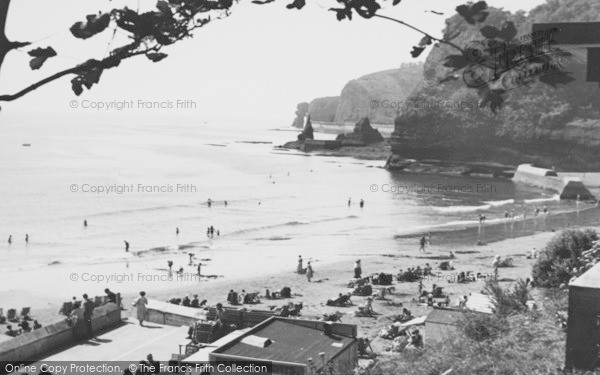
{"x":126,"y":246}
{"x":177,"y":230}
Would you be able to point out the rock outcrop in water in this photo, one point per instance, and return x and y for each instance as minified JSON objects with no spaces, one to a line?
{"x":308,"y":132}
{"x":362,"y":135}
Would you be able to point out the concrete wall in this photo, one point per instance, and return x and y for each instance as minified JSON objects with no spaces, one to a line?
{"x":566,"y":187}
{"x":177,"y":315}
{"x":35,"y":344}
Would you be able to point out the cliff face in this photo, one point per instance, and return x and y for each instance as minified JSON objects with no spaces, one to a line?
{"x":373,"y":96}
{"x":324,"y":109}
{"x":376,"y":95}
{"x":550,"y":126}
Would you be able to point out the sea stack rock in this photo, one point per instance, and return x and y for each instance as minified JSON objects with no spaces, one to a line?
{"x":301,"y":111}
{"x":363,"y":135}
{"x":308,"y":132}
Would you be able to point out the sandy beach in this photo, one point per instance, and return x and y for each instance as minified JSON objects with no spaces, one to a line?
{"x":332,"y":279}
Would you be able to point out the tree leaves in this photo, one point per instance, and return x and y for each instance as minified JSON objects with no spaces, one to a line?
{"x":297,"y":4}
{"x":40,"y":55}
{"x":364,"y":8}
{"x":417,"y":51}
{"x":507,"y":33}
{"x":90,"y":75}
{"x":156,"y":57}
{"x":262,"y":2}
{"x":475,"y":13}
{"x":456,"y":61}
{"x":95,"y":24}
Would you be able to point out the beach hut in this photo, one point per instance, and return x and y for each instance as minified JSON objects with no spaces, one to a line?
{"x":286,"y":345}
{"x":583,"y":324}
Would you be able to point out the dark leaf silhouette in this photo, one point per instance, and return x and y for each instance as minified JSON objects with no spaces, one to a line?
{"x":456,"y":62}
{"x":261,"y":2}
{"x":438,"y":13}
{"x":365,"y":8}
{"x":90,"y":75}
{"x":475,"y":13}
{"x":396,"y":2}
{"x":417,"y":51}
{"x":156,"y":57}
{"x":95,"y":24}
{"x":425,"y":41}
{"x":40,"y":55}
{"x":297,"y":4}
{"x":342,"y":13}
{"x":164,"y":7}
{"x":507,"y":33}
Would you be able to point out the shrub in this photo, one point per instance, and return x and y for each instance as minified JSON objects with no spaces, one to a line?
{"x":507,"y":302}
{"x":556,"y":263}
{"x":481,"y":327}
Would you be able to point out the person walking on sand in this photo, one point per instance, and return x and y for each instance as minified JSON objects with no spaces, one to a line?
{"x":140,"y":305}
{"x":191,"y":255}
{"x":170,"y":264}
{"x":199,"y":269}
{"x":362,"y":203}
{"x":177,"y":231}
{"x":309,"y":272}
{"x":126,"y":246}
{"x":423,"y":242}
{"x":209,"y":202}
{"x":26,"y":238}
{"x":85,"y":223}
{"x":349,"y":201}
{"x":357,"y":269}
{"x":299,"y":268}
{"x":10,"y":239}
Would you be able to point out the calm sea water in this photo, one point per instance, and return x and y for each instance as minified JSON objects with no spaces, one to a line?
{"x":137,"y":180}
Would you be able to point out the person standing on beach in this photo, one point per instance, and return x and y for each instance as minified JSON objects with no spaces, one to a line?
{"x":140,"y":305}
{"x":26,"y":238}
{"x":10,"y":239}
{"x":209,"y":202}
{"x":177,"y":231}
{"x":191,"y":255}
{"x":357,"y":269}
{"x":126,"y":246}
{"x":225,"y":203}
{"x":349,"y":201}
{"x":362,"y":203}
{"x":85,"y":223}
{"x":309,"y":272}
{"x":423,"y":242}
{"x":299,"y":268}
{"x":199,"y":269}
{"x":88,"y":311}
{"x":170,"y":264}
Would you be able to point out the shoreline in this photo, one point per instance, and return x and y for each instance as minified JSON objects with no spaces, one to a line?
{"x":334,"y":277}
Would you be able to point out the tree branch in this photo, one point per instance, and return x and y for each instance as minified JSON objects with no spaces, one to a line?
{"x":9,"y":98}
{"x":6,"y":45}
{"x":447,"y":42}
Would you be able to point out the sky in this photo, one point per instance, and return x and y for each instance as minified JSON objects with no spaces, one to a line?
{"x":256,"y":64}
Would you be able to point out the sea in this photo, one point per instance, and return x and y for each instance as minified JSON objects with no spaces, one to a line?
{"x":138,"y":179}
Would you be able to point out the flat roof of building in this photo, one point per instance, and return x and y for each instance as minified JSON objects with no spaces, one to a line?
{"x":590,"y":279}
{"x":291,"y":343}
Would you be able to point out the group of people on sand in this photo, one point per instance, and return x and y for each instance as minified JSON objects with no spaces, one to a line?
{"x":361,"y":203}
{"x":187,"y":302}
{"x":308,"y":271}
